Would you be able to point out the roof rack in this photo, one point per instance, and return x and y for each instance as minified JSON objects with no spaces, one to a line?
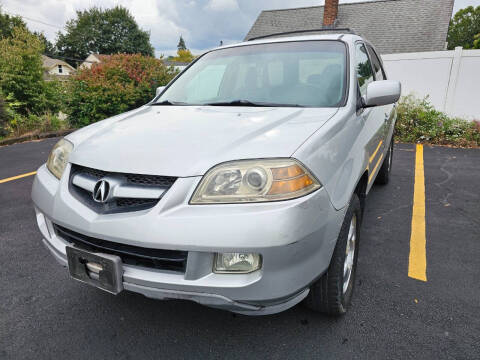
{"x":333,"y":30}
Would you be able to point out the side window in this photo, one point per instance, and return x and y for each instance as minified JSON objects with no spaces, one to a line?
{"x":364,"y":68}
{"x":377,"y":66}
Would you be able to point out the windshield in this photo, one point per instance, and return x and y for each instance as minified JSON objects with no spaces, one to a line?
{"x":304,"y":73}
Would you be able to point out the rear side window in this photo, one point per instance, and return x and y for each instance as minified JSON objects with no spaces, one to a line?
{"x":364,"y":68}
{"x":377,"y":66}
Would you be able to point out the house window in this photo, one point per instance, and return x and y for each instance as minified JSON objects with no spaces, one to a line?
{"x":60,"y":70}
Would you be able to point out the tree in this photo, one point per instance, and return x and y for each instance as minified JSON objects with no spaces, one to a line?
{"x":8,"y":23}
{"x":476,"y":41}
{"x":49,"y":48}
{"x":464,"y":26}
{"x":183,"y":56}
{"x":119,"y":83}
{"x":181,"y":44}
{"x":21,"y":74}
{"x":99,"y":31}
{"x":3,"y":117}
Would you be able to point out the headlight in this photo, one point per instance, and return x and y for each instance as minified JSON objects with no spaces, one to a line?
{"x":255,"y":181}
{"x":58,"y":158}
{"x":240,"y":263}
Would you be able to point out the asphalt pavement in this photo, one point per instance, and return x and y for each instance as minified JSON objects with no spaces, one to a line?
{"x":46,"y":315}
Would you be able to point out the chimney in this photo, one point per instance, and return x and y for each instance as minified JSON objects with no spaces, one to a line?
{"x":330,"y":13}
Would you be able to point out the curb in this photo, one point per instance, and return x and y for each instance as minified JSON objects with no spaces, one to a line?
{"x":31,"y":137}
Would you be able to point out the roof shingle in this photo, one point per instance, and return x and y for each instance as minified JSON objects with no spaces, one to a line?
{"x":48,"y":62}
{"x":393,"y":26}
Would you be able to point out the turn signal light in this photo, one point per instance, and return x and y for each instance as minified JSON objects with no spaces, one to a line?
{"x":287,"y":172}
{"x":289,"y":186}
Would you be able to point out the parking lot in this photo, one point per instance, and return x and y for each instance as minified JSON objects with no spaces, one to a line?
{"x":46,"y":315}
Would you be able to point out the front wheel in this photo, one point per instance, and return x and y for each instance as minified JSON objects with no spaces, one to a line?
{"x":332,"y":293}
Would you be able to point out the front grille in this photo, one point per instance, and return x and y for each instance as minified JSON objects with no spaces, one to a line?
{"x":135,"y":202}
{"x":150,"y":180}
{"x":137,"y":179}
{"x":118,"y":204}
{"x":173,"y":260}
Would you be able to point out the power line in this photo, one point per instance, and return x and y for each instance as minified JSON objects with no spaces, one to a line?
{"x":44,"y":23}
{"x":34,"y":20}
{"x":41,"y":22}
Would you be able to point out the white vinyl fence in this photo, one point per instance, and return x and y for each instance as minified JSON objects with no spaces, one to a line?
{"x":451,"y":79}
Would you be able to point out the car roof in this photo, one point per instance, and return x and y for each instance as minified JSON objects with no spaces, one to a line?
{"x":277,"y":39}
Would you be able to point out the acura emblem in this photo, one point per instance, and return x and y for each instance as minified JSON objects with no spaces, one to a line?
{"x":100,"y":191}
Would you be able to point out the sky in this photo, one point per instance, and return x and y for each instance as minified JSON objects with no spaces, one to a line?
{"x":202,"y":23}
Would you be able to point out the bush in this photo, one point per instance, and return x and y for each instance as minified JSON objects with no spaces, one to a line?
{"x":31,"y":123}
{"x":21,"y":74}
{"x":418,"y":121}
{"x":13,"y":123}
{"x":118,"y":84}
{"x":3,"y":118}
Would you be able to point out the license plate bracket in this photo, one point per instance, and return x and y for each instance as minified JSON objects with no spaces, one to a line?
{"x":103,"y":271}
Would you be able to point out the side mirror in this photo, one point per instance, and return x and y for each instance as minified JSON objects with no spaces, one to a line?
{"x":159,"y":90}
{"x":383,"y":92}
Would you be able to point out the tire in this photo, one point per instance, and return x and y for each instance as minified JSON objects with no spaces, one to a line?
{"x":332,"y":293}
{"x":384,"y":172}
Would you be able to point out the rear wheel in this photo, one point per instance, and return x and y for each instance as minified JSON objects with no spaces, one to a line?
{"x":384,"y":172}
{"x":332,"y":293}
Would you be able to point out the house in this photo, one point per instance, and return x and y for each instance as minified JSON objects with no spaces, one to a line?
{"x":392,"y":26}
{"x":98,"y":58}
{"x":178,"y":65}
{"x":92,"y":59}
{"x":55,"y":68}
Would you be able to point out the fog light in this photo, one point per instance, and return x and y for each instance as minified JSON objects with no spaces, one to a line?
{"x":236,"y":263}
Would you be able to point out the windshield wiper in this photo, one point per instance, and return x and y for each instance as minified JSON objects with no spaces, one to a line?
{"x":250,"y":103}
{"x":168,"y":102}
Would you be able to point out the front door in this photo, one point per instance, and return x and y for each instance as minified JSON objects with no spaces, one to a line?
{"x":388,"y":111}
{"x":374,"y":117}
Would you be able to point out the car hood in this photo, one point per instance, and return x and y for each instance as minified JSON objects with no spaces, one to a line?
{"x":188,"y":140}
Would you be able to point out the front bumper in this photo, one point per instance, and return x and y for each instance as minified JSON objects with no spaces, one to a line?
{"x":296,"y":239}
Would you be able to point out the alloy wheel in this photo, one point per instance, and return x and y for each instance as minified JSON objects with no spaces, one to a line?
{"x":349,"y":253}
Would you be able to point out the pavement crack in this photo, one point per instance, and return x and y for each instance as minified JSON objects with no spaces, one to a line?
{"x":394,"y":209}
{"x":448,"y":173}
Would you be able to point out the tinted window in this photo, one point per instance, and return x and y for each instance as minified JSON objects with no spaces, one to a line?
{"x":305,"y":73}
{"x":364,"y":68}
{"x":377,"y":67}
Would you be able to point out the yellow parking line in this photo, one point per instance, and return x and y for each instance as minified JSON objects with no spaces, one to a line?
{"x":17,"y":177}
{"x":417,"y":261}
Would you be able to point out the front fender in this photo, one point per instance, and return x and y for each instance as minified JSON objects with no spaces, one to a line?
{"x":337,"y":155}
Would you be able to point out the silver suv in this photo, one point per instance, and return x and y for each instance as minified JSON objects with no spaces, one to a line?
{"x":241,"y":186}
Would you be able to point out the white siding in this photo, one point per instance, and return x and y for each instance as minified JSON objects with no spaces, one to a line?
{"x":450,"y":78}
{"x":89,"y":61}
{"x":65,"y":71}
